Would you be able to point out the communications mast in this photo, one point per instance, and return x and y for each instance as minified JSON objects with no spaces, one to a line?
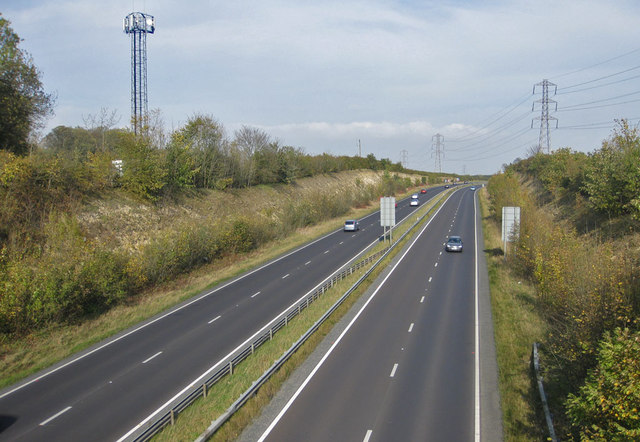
{"x":139,"y":25}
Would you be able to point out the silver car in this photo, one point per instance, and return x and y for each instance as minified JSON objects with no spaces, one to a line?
{"x":454,"y":244}
{"x":351,"y":225}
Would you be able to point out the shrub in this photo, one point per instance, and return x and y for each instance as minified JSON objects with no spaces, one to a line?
{"x":606,"y":407}
{"x":68,"y":280}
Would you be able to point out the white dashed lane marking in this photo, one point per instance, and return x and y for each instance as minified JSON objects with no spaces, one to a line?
{"x":43,"y":423}
{"x":154,"y":356}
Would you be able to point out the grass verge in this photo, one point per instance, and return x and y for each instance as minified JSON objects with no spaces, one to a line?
{"x":195,"y":419}
{"x":517,"y":325}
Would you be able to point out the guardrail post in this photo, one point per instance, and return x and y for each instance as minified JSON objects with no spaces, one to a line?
{"x":173,"y":417}
{"x":286,"y":320}
{"x":253,"y":347}
{"x":270,"y":333}
{"x":204,"y":390}
{"x":230,"y":367}
{"x":535,"y":365}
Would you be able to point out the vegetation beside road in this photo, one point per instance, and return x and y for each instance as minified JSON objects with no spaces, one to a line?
{"x":579,"y":248}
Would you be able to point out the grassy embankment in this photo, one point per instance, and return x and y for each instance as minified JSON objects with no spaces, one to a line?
{"x":130,"y":226}
{"x":517,"y":325}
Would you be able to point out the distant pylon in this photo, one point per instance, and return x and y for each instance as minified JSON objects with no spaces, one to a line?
{"x":544,"y":142}
{"x":437,"y":150}
{"x":139,"y":25}
{"x":404,"y":156}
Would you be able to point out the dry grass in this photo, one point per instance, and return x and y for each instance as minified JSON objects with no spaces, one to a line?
{"x":517,"y":325}
{"x":21,"y":357}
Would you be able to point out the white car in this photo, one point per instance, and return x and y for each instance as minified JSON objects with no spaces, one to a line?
{"x":414,"y":202}
{"x":351,"y":225}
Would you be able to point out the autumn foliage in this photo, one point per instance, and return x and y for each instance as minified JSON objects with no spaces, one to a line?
{"x":578,"y":245}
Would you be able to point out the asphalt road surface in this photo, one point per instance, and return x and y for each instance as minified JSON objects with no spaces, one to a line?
{"x":407,"y":366}
{"x":109,"y":389}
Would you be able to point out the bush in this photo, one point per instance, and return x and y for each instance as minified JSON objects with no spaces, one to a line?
{"x":69,"y":279}
{"x":606,"y":407}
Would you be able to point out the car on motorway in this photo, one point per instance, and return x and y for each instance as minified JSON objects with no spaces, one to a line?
{"x":414,"y":202}
{"x":423,"y":191}
{"x":351,"y":225}
{"x":472,"y":188}
{"x":446,"y":186}
{"x":414,"y":196}
{"x":454,"y":244}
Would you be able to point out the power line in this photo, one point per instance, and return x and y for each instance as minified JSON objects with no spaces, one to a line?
{"x":498,"y":130}
{"x":597,"y":64}
{"x":510,"y":108}
{"x":601,"y":78}
{"x":601,"y":101}
{"x":600,"y":85}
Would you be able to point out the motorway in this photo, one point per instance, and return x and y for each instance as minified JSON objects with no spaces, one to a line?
{"x":108,"y":390}
{"x":407,"y":365}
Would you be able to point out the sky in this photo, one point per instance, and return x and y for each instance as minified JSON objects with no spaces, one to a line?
{"x":376,"y":76}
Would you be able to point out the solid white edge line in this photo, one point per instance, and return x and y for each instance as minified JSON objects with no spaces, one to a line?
{"x":344,"y":332}
{"x":367,"y":436}
{"x":477,"y":337}
{"x":215,"y":366}
{"x":393,"y":370}
{"x":154,"y":356}
{"x":43,"y":423}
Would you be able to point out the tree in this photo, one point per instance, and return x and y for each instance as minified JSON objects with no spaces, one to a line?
{"x":23,"y":103}
{"x":205,"y":138}
{"x":612,"y":181}
{"x":144,"y":171}
{"x":250,"y":140}
{"x":99,"y":124}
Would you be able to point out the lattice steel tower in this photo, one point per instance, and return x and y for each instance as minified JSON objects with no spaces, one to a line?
{"x":404,"y":158}
{"x":437,"y":150}
{"x":544,"y":142}
{"x":139,"y":25}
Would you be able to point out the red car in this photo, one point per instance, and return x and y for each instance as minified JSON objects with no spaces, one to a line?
{"x":423,"y":191}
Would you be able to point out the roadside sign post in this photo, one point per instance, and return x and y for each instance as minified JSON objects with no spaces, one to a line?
{"x":387,"y":215}
{"x":510,"y":226}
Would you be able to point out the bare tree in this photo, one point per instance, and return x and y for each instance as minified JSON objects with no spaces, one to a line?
{"x":100,"y":123}
{"x":534,"y":150}
{"x":155,"y":129}
{"x":250,"y":140}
